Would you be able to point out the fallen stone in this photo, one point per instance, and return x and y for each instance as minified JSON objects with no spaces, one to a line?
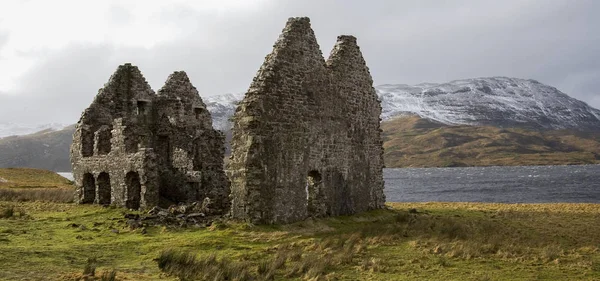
{"x":132,"y":216}
{"x":196,"y":215}
{"x":155,"y":210}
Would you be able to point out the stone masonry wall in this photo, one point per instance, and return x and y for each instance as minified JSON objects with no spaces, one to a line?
{"x":135,"y":148}
{"x":306,"y":138}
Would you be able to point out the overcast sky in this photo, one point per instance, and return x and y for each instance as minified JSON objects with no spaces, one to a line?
{"x":55,"y":55}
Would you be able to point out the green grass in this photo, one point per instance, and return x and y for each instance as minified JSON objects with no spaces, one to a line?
{"x":31,"y":178}
{"x":432,"y":241}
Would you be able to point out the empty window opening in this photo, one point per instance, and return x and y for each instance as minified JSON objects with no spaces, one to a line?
{"x":89,"y":189}
{"x":134,"y":189}
{"x":312,"y":181}
{"x":87,"y":143}
{"x":163,"y":148}
{"x":131,"y":140}
{"x":142,"y":107}
{"x":104,"y":191}
{"x":198,"y":112}
{"x":104,"y":145}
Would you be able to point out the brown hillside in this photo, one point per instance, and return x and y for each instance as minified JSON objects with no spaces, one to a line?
{"x":415,"y":142}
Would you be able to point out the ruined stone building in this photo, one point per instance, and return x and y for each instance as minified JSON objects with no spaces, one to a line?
{"x":138,"y":149}
{"x":306,"y":137}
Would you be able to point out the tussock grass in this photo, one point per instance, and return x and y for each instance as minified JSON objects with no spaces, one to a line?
{"x":56,"y":195}
{"x":10,"y":212}
{"x":187,"y":266}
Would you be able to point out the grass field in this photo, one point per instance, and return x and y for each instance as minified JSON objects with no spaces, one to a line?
{"x":412,"y":241}
{"x":32,"y":178}
{"x":25,"y":184}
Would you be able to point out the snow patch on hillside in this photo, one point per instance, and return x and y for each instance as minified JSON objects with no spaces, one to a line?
{"x":15,"y":129}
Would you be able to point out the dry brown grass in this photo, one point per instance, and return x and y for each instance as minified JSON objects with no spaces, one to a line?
{"x":187,"y":266}
{"x":55,"y":195}
{"x":31,"y":178}
{"x":311,"y":260}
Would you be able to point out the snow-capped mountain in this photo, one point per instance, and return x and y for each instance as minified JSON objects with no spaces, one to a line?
{"x":496,"y":101}
{"x":14,"y":129}
{"x":221,"y":108}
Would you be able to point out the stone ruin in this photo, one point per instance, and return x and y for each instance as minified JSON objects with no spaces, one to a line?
{"x":138,"y":149}
{"x":306,"y":139}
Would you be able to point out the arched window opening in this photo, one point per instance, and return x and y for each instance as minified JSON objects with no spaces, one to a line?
{"x":134,"y":189}
{"x":89,"y":189}
{"x":104,"y":191}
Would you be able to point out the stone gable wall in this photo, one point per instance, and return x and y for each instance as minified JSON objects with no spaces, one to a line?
{"x":306,"y":138}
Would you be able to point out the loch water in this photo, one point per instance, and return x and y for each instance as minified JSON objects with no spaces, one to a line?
{"x":520,"y":184}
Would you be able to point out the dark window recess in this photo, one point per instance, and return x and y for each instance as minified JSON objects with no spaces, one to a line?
{"x":198,"y":112}
{"x":104,"y":137}
{"x":131,"y":140}
{"x":87,"y":143}
{"x":142,"y":107}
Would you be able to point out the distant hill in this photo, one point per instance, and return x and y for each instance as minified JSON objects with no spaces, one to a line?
{"x":47,"y":149}
{"x":412,"y":141}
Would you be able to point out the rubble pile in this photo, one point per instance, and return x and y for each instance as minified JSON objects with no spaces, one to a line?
{"x":195,"y":214}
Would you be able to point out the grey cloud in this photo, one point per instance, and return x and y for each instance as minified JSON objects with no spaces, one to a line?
{"x":554,"y":42}
{"x":119,"y":15}
{"x":4,"y":36}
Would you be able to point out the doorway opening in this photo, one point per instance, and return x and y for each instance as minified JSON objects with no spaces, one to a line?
{"x":104,"y":191}
{"x":89,"y":188}
{"x":134,"y":190}
{"x":313,"y":180}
